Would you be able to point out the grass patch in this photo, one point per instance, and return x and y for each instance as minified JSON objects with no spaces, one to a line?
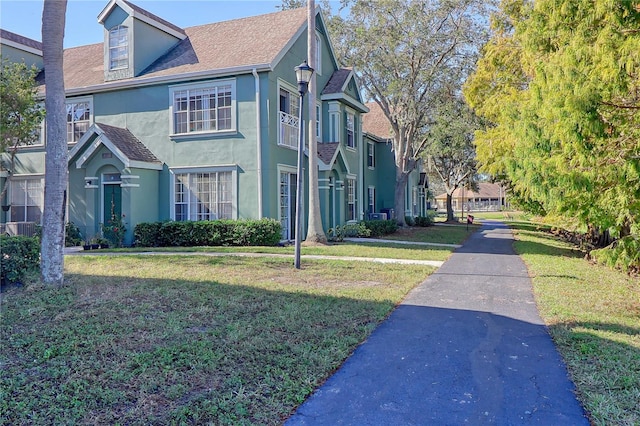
{"x":186,"y":340}
{"x":593,"y":314}
{"x":453,"y":234}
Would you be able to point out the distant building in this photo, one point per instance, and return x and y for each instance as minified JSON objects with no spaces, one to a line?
{"x":489,"y":197}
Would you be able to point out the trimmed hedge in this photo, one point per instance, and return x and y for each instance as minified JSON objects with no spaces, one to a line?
{"x":379,"y":228}
{"x":224,"y":232}
{"x":19,"y":256}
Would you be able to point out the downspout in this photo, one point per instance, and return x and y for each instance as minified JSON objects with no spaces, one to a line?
{"x":258,"y":142}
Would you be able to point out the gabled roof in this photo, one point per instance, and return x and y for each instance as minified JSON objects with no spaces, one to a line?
{"x":20,"y":42}
{"x":143,"y":15}
{"x":328,"y":154}
{"x":121,"y":142}
{"x":338,"y":81}
{"x":221,"y":48}
{"x":376,"y":124}
{"x":336,"y":89}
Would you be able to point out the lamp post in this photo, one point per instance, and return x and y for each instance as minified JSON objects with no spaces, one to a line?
{"x":303,"y":74}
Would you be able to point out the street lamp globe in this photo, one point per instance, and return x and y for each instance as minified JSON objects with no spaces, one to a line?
{"x":303,"y":74}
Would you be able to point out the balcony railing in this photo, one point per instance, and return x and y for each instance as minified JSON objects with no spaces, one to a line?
{"x":288,"y":130}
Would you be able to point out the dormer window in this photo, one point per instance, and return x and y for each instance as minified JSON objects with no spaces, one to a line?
{"x":118,"y":48}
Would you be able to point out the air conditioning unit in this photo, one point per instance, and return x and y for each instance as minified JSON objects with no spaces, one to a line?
{"x":377,"y":216}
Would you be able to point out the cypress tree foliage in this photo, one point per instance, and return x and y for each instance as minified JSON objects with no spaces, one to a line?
{"x":559,"y":81}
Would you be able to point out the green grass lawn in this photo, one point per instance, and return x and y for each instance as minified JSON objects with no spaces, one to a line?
{"x":593,"y":314}
{"x":186,"y":340}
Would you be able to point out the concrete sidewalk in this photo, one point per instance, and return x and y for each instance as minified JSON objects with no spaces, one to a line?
{"x":466,"y":347}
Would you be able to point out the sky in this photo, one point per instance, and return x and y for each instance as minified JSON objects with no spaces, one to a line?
{"x":24,"y":17}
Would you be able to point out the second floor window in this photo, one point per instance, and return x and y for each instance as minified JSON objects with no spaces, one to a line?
{"x":371,"y":155}
{"x":351,"y":141}
{"x":204,"y":108}
{"x":288,"y":117}
{"x":78,"y":119}
{"x":118,"y":48}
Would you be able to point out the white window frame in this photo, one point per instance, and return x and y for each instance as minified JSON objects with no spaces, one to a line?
{"x":175,"y":171}
{"x":318,"y":69}
{"x":350,"y":127}
{"x":290,"y":230}
{"x":371,"y":199}
{"x":115,"y":50}
{"x":351,"y":196}
{"x":319,"y":122}
{"x":74,"y":121}
{"x":189,"y":88}
{"x":371,"y":155}
{"x":288,"y":123}
{"x":16,"y":180}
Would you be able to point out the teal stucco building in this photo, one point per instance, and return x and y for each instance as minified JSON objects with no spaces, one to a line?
{"x":166,"y":123}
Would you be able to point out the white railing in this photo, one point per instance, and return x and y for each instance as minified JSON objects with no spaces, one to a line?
{"x":288,"y":130}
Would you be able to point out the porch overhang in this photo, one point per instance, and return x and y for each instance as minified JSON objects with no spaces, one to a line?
{"x":121,"y":142}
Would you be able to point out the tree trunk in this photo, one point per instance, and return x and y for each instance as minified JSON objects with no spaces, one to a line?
{"x":450,"y":216}
{"x":399,"y":196}
{"x":315,"y":232}
{"x":56,"y":170}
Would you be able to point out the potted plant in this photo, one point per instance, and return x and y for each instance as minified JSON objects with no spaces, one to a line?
{"x":103,"y":242}
{"x":86,"y":245}
{"x":94,"y":243}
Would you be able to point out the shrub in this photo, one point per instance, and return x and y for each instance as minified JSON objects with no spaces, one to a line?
{"x":623,"y":254}
{"x":349,"y":230}
{"x":19,"y":256}
{"x":147,"y":234}
{"x":72,"y":236}
{"x":379,"y":228}
{"x":224,"y":232}
{"x":424,"y":220}
{"x":114,"y":230}
{"x":409,"y":220}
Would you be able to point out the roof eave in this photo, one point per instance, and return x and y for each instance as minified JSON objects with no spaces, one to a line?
{"x":346,"y":99}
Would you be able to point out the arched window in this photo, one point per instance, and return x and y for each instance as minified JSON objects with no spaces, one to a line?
{"x":118,"y":47}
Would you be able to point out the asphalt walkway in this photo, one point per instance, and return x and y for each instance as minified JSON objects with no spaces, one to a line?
{"x":467,"y":346}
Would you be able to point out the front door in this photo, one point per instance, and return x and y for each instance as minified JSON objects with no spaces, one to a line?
{"x":112,"y":199}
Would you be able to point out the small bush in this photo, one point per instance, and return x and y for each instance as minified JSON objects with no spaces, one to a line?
{"x":623,"y":254}
{"x":19,"y":256}
{"x":379,"y":228}
{"x":224,"y":232}
{"x":72,"y":236}
{"x":349,"y":230}
{"x":424,"y":220}
{"x":409,"y":220}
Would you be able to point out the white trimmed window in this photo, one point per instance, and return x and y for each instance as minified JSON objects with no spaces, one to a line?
{"x":203,"y":108}
{"x":371,"y":195}
{"x":351,"y":140}
{"x":318,"y":69}
{"x":119,"y":47}
{"x":288,"y":112}
{"x":351,"y":199}
{"x":27,"y":199}
{"x":318,"y":122}
{"x":203,"y":195}
{"x":371,"y":155}
{"x":79,"y":118}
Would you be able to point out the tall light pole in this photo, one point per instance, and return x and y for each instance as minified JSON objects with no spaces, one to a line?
{"x":303,"y":74}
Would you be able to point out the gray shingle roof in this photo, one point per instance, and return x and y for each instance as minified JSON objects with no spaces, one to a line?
{"x":17,"y":38}
{"x":326,"y":151}
{"x":128,"y":144}
{"x":242,"y":42}
{"x":336,"y":82}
